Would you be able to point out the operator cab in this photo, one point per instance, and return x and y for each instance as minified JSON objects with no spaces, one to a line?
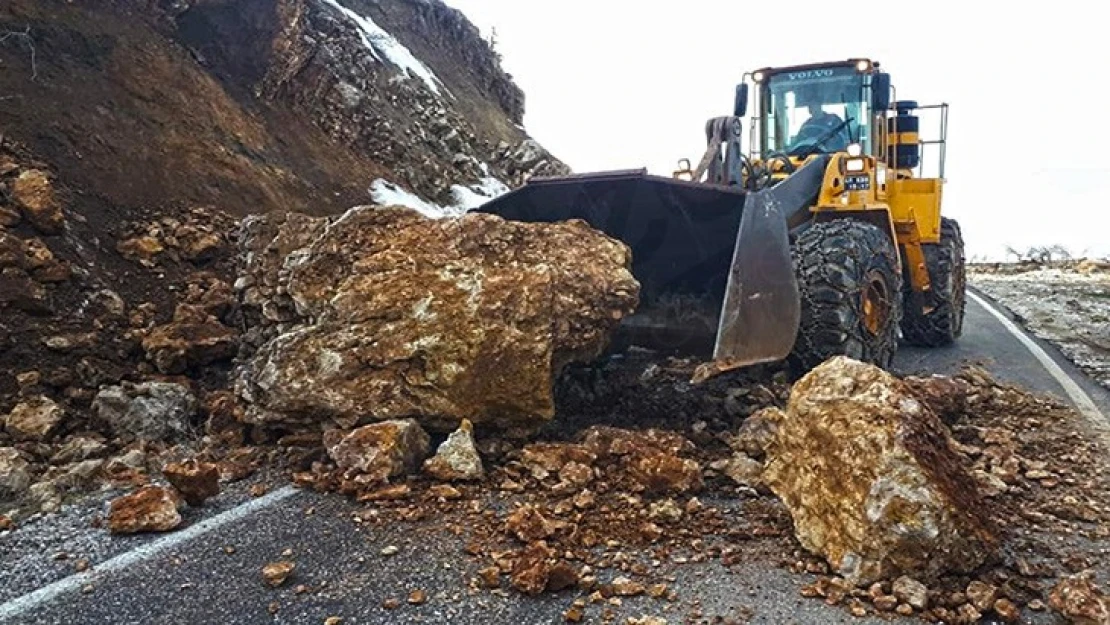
{"x":816,"y":109}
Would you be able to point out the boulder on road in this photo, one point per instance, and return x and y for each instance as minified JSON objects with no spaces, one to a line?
{"x":437,"y":319}
{"x":872,"y":478}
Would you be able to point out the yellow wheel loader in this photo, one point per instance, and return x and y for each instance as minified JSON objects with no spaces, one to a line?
{"x":824,"y":237}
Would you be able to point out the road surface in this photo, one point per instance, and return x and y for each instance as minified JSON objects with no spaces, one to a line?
{"x":189,"y":576}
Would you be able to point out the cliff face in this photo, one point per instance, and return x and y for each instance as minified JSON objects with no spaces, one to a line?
{"x":255,"y":105}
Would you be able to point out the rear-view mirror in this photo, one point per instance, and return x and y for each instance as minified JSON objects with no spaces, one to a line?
{"x":740,"y":107}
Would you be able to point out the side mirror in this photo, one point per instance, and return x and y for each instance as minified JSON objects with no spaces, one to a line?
{"x":880,"y":92}
{"x":740,"y":107}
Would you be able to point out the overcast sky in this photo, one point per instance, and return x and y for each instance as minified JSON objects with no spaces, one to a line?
{"x":614,"y":84}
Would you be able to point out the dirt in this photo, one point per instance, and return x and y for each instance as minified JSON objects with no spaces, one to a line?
{"x":1064,"y":303}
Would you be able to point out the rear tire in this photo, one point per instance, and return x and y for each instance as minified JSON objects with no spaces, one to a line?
{"x":850,"y":289}
{"x":945,"y":261}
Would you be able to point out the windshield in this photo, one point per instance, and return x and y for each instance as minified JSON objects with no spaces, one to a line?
{"x":808,"y":107}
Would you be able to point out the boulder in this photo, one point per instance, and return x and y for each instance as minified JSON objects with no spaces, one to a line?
{"x":34,"y":419}
{"x":379,"y":451}
{"x":35,"y":195}
{"x":149,"y":509}
{"x":155,"y":411}
{"x":873,"y":479}
{"x":437,"y":319}
{"x":457,"y":458}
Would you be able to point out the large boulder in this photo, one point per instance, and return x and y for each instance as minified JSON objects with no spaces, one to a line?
{"x":34,"y":418}
{"x":873,"y":480}
{"x":406,"y":316}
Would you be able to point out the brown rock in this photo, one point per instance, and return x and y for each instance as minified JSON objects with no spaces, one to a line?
{"x":490,"y":576}
{"x":34,"y":419}
{"x":143,"y":249}
{"x":381,"y":450}
{"x":149,"y":509}
{"x":665,"y":473}
{"x":34,"y":194}
{"x":418,"y":597}
{"x":176,"y":347}
{"x":1007,"y":611}
{"x":439,"y":320}
{"x":885,"y":603}
{"x":528,"y":525}
{"x":1080,"y":600}
{"x":6,"y":523}
{"x":196,"y":481}
{"x":544,"y":458}
{"x":276,"y":573}
{"x":532,"y":568}
{"x":457,"y":458}
{"x":12,"y":251}
{"x":981,"y":595}
{"x":19,"y":290}
{"x":872,"y":480}
{"x":910,"y":591}
{"x":561,"y":576}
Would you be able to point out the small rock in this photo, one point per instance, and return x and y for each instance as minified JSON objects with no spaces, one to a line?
{"x":1036,"y":605}
{"x":625,"y":587}
{"x":392,"y":603}
{"x":417,"y":597}
{"x":380,"y":450}
{"x":532,"y":568}
{"x":390,"y":550}
{"x":1079,"y":599}
{"x":665,"y":510}
{"x":756,"y":432}
{"x":446,"y":491}
{"x":981,"y":595}
{"x":149,"y":509}
{"x":490,"y":576}
{"x":15,"y":473}
{"x":904,"y":609}
{"x":911,"y":591}
{"x":257,"y":490}
{"x":143,"y":249}
{"x":6,"y":523}
{"x":333,"y":620}
{"x":528,"y":524}
{"x":81,"y":565}
{"x":275,"y":573}
{"x":196,"y":481}
{"x":34,"y":194}
{"x":1007,"y":611}
{"x":885,"y":603}
{"x":34,"y":419}
{"x":744,"y":470}
{"x":457,"y":458}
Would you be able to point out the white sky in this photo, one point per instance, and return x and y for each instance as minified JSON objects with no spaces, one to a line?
{"x":615,"y":84}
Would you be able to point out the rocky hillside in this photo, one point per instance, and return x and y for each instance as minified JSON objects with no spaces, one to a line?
{"x":135,"y":134}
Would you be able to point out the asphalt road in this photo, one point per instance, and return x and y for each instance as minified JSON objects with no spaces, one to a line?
{"x":188,"y":576}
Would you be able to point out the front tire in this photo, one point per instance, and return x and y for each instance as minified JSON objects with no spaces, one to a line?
{"x":945,"y":262}
{"x":850,"y":287}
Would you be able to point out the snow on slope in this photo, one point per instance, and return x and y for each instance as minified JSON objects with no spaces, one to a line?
{"x":380,"y":43}
{"x":467,"y":198}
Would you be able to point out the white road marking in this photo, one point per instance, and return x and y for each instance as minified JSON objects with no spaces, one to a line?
{"x":1078,"y":396}
{"x":14,"y":608}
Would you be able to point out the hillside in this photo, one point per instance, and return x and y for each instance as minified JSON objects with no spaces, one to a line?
{"x":134,"y":134}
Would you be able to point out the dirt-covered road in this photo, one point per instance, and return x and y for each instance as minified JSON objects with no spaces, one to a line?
{"x":209,"y":571}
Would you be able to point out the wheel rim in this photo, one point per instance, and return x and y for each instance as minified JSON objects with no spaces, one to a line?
{"x":875,"y":304}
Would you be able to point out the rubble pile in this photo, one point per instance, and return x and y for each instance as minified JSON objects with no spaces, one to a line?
{"x":399,"y":315}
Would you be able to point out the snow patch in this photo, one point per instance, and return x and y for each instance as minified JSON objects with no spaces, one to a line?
{"x":466,"y":197}
{"x":382,"y":44}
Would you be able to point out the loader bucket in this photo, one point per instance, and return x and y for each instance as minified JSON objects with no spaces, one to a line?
{"x":713,"y":262}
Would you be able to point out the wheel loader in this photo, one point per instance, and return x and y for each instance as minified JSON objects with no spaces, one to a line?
{"x":823,"y":237}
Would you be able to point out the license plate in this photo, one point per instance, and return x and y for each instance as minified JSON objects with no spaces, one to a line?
{"x":857,"y":183}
